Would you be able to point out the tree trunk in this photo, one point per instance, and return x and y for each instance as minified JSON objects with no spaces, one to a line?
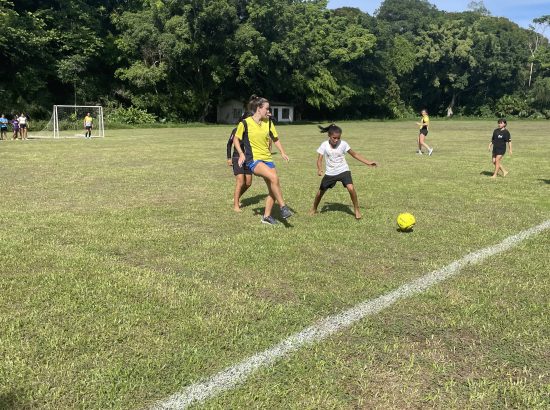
{"x":451,"y":105}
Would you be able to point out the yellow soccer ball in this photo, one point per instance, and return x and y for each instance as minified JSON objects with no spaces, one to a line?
{"x":406,"y":221}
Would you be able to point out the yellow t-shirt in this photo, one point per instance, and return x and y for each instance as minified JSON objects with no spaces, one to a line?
{"x":424,"y":122}
{"x":256,"y":143}
{"x":88,"y":121}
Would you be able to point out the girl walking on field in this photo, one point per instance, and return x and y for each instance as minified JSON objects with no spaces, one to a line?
{"x":423,"y":124}
{"x":336,"y":167}
{"x":501,"y":136}
{"x":253,"y":134}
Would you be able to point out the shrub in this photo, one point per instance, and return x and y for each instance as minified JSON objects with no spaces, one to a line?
{"x":131,"y":115}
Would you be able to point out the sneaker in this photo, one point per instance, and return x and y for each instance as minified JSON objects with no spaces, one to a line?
{"x":419,"y":152}
{"x":285,"y":212}
{"x":269,"y":220}
{"x":430,"y":151}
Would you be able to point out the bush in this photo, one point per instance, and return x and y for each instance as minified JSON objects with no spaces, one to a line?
{"x":131,"y":115}
{"x":512,"y":105}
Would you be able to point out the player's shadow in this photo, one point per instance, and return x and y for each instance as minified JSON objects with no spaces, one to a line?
{"x":488,"y":173}
{"x":546,"y":181}
{"x":253,"y":200}
{"x":336,"y":207}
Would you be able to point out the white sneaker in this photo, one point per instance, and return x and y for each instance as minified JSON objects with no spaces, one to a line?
{"x":419,"y":152}
{"x":430,"y":151}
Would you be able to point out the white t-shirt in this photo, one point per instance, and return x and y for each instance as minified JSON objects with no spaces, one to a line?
{"x":22,"y":120}
{"x":335,"y":163}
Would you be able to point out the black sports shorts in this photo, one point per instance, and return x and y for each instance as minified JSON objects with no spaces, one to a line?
{"x":499,"y":150}
{"x":423,"y":131}
{"x":329,"y":181}
{"x":237,"y":170}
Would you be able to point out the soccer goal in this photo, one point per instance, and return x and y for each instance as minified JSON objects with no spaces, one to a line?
{"x":67,"y":121}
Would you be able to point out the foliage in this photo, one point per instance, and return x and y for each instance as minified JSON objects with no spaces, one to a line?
{"x":130,"y":115}
{"x":179,"y":59}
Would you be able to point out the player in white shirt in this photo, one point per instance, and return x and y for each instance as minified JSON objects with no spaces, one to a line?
{"x":336,"y":168}
{"x":23,"y":126}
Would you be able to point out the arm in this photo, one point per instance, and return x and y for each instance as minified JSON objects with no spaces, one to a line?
{"x":281,"y":149}
{"x":237,"y":146}
{"x":362,"y":159}
{"x":510,"y":146}
{"x":320,"y":165}
{"x":229,"y":146}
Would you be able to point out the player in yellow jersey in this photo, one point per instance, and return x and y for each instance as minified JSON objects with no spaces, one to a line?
{"x":88,"y":125}
{"x":252,"y":143}
{"x":423,"y":124}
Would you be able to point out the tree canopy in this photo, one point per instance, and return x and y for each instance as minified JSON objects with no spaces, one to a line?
{"x":178,"y":59}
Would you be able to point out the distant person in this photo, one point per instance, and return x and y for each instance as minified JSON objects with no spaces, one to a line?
{"x":336,"y":167}
{"x":501,"y":136}
{"x":423,"y":124}
{"x":3,"y":127}
{"x":15,"y":127}
{"x":243,"y":175}
{"x":23,"y":126}
{"x":88,"y":125}
{"x":255,"y":154}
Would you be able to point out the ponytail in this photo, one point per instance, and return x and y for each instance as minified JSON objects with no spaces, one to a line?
{"x":331,"y":129}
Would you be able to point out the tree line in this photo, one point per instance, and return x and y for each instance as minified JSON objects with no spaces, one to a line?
{"x":178,"y":59}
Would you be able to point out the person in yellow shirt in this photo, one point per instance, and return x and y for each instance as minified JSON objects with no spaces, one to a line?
{"x":252,"y":143}
{"x":88,"y":125}
{"x":423,"y":124}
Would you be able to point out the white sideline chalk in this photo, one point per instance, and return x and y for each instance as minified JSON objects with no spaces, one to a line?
{"x":234,"y":375}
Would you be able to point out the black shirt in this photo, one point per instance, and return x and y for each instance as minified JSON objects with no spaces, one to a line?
{"x":501,"y":137}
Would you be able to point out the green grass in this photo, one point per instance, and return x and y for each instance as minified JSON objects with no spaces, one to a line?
{"x":125,"y":274}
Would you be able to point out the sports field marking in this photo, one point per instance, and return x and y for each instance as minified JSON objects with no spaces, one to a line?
{"x":234,"y":375}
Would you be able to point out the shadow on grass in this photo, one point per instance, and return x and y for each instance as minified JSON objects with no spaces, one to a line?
{"x":337,"y":207}
{"x":253,"y":200}
{"x":12,"y":400}
{"x":546,"y":181}
{"x":488,"y":173}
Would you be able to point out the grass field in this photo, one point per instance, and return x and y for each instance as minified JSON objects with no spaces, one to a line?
{"x":125,"y":274}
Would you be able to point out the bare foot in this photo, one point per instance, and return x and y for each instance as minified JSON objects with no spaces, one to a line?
{"x":313,"y":212}
{"x":358,"y":215}
{"x":505,"y":173}
{"x":237,"y":209}
{"x":494,"y":177}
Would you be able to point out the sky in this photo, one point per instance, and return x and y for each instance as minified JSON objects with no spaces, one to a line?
{"x":521,"y":12}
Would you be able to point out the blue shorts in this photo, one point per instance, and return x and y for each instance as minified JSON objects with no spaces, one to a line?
{"x":251,"y":165}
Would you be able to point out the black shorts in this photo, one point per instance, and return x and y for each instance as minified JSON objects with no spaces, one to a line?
{"x":329,"y":181}
{"x":499,"y":150}
{"x":237,"y":170}
{"x":22,"y":126}
{"x":4,"y":129}
{"x":88,"y":127}
{"x":423,"y":131}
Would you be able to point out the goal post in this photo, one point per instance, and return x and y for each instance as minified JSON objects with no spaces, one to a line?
{"x":67,"y":121}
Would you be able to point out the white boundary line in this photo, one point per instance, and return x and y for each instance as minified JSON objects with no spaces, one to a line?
{"x":234,"y":375}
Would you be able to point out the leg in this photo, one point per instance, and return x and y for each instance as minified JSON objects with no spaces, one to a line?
{"x":272,"y":181}
{"x":496,"y":161}
{"x":353,"y":196}
{"x":316,"y":202}
{"x":422,"y":143}
{"x":239,"y":183}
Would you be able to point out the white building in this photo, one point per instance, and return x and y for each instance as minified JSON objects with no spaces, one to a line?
{"x":230,"y":111}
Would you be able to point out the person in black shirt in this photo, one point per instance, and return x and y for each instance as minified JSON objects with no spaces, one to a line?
{"x":501,"y":136}
{"x":243,"y":175}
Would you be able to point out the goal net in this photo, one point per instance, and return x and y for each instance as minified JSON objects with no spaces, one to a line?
{"x":68,"y":121}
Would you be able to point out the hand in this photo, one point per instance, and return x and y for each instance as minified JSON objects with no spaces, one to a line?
{"x":373,"y":164}
{"x":229,"y":162}
{"x":320,"y":172}
{"x":241,"y":160}
{"x":285,"y":157}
